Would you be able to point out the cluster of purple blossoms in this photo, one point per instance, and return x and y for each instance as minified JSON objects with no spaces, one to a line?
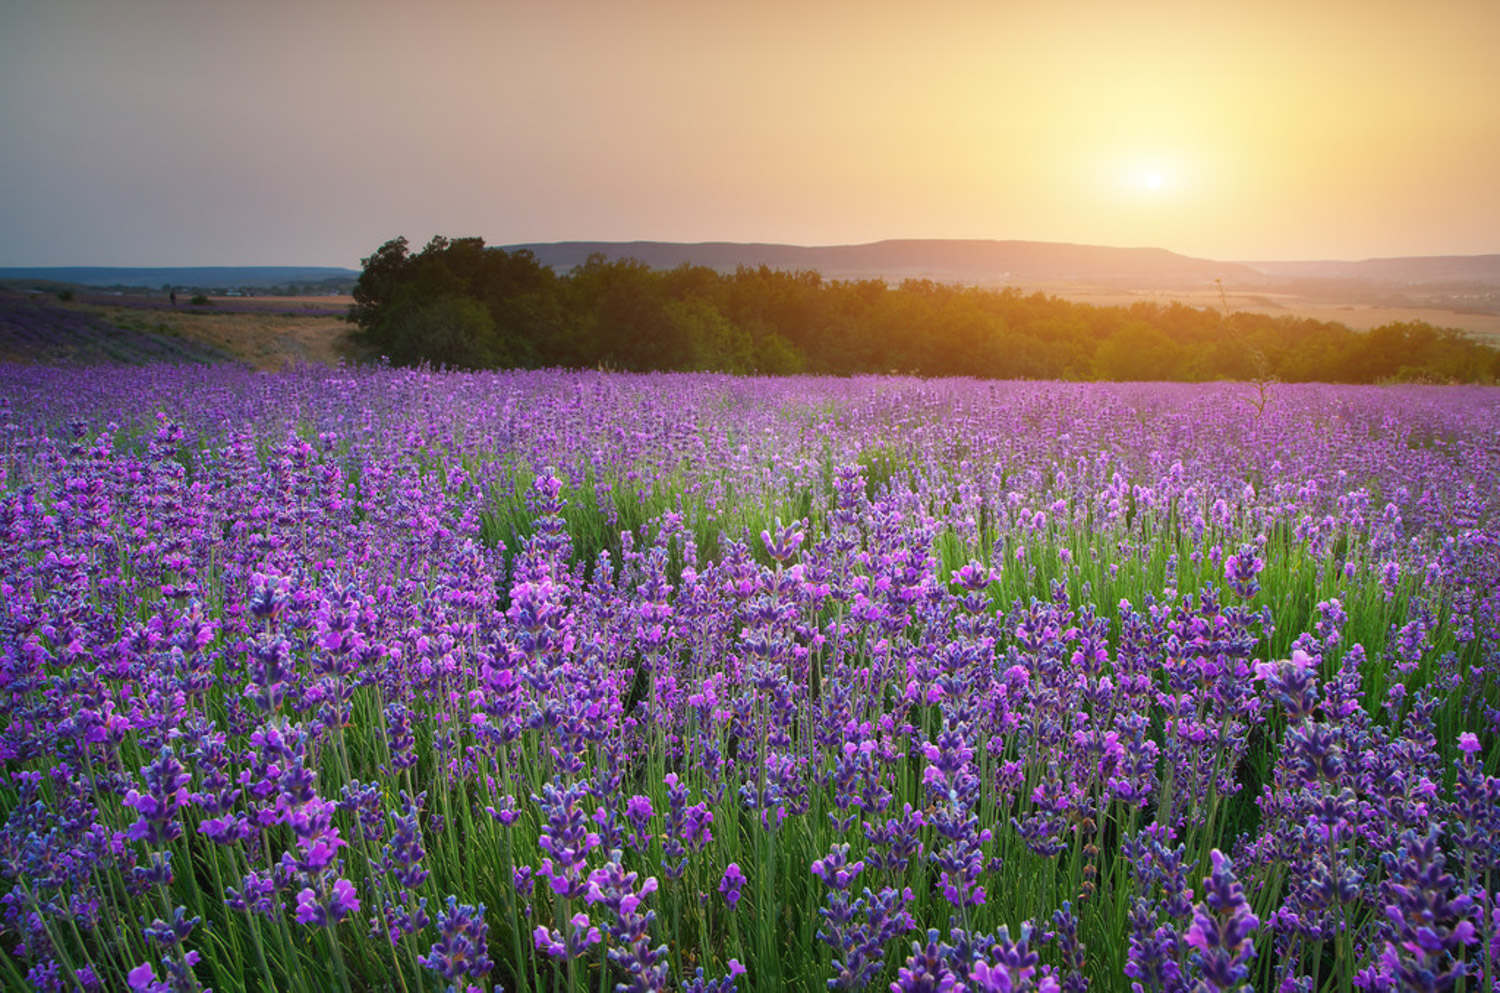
{"x":461,"y":953}
{"x":1221,"y":929}
{"x":332,"y":647}
{"x":630,"y":942}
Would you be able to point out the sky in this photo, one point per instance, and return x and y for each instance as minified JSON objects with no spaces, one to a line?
{"x":309,"y":133}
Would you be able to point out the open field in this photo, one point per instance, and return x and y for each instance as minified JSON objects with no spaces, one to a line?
{"x":321,"y":306}
{"x":336,"y":301}
{"x":377,"y":680}
{"x":263,"y":339}
{"x":38,"y":327}
{"x":1359,"y":316}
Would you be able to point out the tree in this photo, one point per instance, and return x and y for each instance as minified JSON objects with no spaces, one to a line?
{"x":458,"y":303}
{"x":776,"y":356}
{"x":622,"y":313}
{"x":461,"y":303}
{"x":1136,"y":352}
{"x":381,"y":275}
{"x":452,"y":331}
{"x":711,"y":341}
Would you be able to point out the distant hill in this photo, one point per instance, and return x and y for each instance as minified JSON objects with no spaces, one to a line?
{"x":194,"y":277}
{"x":944,"y":260}
{"x":1426,"y":270}
{"x":953,"y":260}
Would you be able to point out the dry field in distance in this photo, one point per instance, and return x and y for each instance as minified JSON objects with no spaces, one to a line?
{"x":306,"y":334}
{"x":265,"y":340}
{"x":323,"y":302}
{"x":269,"y":332}
{"x":1361,"y":317}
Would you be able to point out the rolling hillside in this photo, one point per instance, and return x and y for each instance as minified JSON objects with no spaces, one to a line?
{"x":154,"y":277}
{"x":944,"y":260}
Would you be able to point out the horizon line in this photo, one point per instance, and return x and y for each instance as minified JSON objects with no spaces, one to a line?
{"x":765,"y":244}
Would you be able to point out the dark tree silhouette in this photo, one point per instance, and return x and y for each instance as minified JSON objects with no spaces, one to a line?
{"x":460,"y":303}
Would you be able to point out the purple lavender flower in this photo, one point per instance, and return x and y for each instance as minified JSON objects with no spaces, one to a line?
{"x":638,"y":812}
{"x":323,"y":910}
{"x":630,"y":942}
{"x":1428,"y":927}
{"x":1011,"y":967}
{"x":1241,"y":570}
{"x":784,"y":544}
{"x":166,"y":793}
{"x":461,"y":953}
{"x":566,"y":838}
{"x":1220,"y":932}
{"x":178,"y":977}
{"x":581,"y":935}
{"x":927,"y":969}
{"x":726,"y":983}
{"x":730,"y":885}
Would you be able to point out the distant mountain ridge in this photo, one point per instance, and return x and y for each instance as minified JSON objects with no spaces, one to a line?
{"x":153,"y":277}
{"x":1412,"y":270}
{"x":941,"y":259}
{"x":950,"y":260}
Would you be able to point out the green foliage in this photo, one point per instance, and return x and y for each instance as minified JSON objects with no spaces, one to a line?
{"x":710,"y":340}
{"x":199,"y":300}
{"x":408,"y":306}
{"x":1138,"y":351}
{"x":452,"y":331}
{"x":432,"y":307}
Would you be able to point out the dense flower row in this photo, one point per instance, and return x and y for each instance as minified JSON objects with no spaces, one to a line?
{"x":377,"y":679}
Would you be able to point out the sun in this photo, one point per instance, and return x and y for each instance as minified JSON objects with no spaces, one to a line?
{"x":1150,"y":178}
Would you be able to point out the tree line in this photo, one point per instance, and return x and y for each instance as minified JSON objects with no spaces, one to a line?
{"x":461,"y":304}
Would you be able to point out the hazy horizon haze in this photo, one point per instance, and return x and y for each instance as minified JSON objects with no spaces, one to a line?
{"x":167,"y":133}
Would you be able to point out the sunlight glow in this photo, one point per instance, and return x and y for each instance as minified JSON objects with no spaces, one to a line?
{"x":1149,"y":178}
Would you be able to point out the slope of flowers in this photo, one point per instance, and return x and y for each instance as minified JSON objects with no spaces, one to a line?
{"x":400,"y":680}
{"x":33,"y":329}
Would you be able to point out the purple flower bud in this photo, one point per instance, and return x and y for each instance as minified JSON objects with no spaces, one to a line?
{"x":731,"y":884}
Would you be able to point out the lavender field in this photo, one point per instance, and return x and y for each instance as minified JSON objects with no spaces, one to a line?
{"x":373,"y":679}
{"x":34,"y":328}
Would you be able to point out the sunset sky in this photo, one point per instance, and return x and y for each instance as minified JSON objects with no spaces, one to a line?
{"x":187,"y":133}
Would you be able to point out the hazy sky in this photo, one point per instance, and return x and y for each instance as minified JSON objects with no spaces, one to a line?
{"x":196,"y":133}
